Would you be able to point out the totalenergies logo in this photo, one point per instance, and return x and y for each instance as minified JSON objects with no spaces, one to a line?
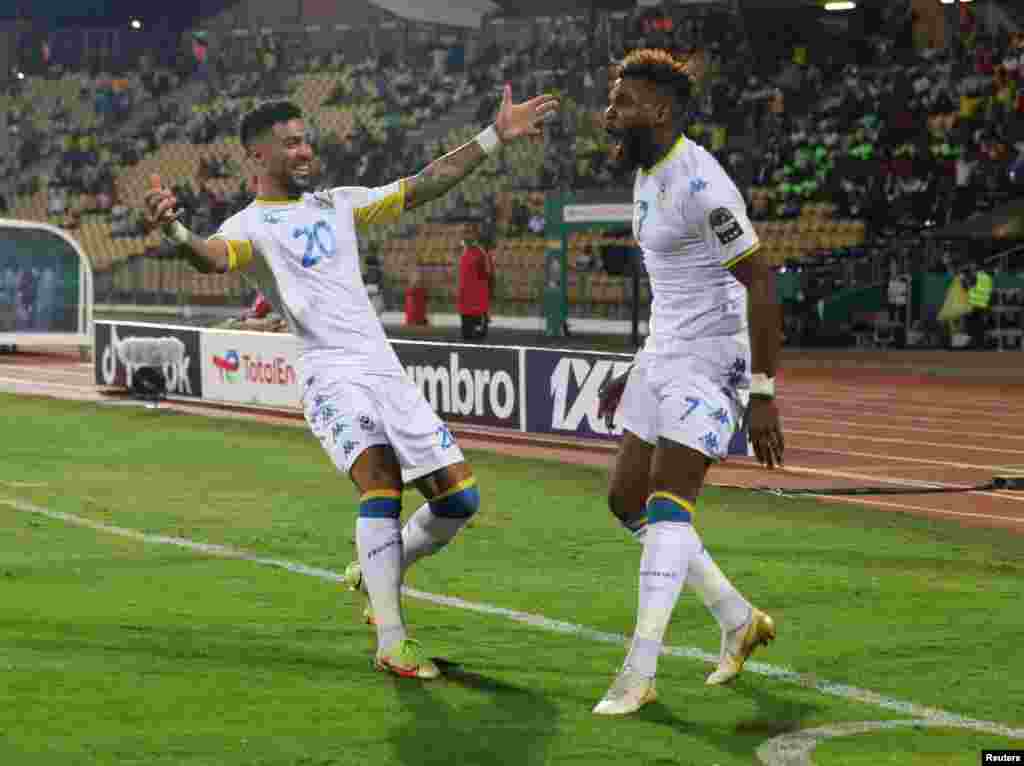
{"x":235,"y":367}
{"x":228,"y":365}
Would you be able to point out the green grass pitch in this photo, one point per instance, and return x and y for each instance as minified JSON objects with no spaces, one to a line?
{"x":117,"y":651}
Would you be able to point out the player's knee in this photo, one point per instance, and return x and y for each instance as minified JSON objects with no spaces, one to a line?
{"x":622,"y":505}
{"x":460,"y":502}
{"x":615,"y":502}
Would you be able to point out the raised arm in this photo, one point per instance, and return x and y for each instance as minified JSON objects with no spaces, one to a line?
{"x":206,"y":255}
{"x":513,"y":121}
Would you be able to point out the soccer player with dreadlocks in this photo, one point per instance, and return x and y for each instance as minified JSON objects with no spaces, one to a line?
{"x":714,"y":331}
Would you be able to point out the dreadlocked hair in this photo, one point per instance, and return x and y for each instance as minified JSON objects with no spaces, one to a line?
{"x":664,"y":70}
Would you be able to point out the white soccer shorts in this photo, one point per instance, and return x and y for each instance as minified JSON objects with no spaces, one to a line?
{"x":348,"y":415}
{"x":688,"y":400}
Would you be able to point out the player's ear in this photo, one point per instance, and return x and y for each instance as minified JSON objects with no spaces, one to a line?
{"x":663,"y":113}
{"x":256,"y":153}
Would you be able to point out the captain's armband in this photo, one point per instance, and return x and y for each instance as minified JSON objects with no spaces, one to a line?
{"x":239,"y":253}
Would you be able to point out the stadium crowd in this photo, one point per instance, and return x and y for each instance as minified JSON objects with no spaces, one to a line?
{"x":897,"y":136}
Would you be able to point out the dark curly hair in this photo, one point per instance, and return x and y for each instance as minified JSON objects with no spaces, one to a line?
{"x":266,"y":116}
{"x":669,"y":74}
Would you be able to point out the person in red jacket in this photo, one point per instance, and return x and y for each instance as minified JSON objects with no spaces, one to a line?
{"x":475,"y":269}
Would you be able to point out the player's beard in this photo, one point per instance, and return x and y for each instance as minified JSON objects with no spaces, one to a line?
{"x":634,"y":148}
{"x":302,"y":182}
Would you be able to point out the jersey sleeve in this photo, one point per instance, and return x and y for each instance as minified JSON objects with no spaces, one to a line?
{"x":375,"y":206}
{"x":240,"y":249}
{"x":726,"y":229}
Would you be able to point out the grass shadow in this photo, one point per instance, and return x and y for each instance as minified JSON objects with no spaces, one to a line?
{"x":443,"y":726}
{"x":775,"y":714}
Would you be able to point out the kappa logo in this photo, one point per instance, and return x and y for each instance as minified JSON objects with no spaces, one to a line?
{"x":720,"y":416}
{"x":366,"y":423}
{"x":725,"y":225}
{"x":326,"y":414}
{"x":711,"y":443}
{"x":575,"y":384}
{"x":737,"y":375}
{"x":339,"y":427}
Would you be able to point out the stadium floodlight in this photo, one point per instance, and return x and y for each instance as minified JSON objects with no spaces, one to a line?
{"x":21,"y":75}
{"x":136,"y":24}
{"x":840,"y":5}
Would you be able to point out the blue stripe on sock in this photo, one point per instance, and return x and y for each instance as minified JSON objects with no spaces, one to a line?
{"x":381,"y":508}
{"x":459,"y":505}
{"x":663,"y":509}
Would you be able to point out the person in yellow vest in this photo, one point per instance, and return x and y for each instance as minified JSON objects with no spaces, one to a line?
{"x":979,"y":297}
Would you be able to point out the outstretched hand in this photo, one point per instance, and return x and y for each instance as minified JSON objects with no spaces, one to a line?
{"x":526,"y":119}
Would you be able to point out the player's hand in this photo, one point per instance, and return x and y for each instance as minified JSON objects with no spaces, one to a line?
{"x":526,"y":119}
{"x":608,"y":397}
{"x":161,"y":205}
{"x":766,"y":431}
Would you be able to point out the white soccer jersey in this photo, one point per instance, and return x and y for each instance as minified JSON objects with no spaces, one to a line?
{"x":691,"y":223}
{"x":304,"y":256}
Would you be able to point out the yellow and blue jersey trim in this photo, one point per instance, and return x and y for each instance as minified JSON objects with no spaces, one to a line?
{"x":665,"y":506}
{"x":742,"y":256}
{"x":386,"y":209}
{"x":676,"y":148}
{"x":240,"y":252}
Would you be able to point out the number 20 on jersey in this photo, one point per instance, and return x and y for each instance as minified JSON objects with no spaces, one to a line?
{"x":319,"y":242}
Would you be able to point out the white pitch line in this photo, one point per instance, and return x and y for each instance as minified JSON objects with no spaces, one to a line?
{"x":893,"y":440}
{"x":795,"y":748}
{"x":866,"y":417}
{"x":886,"y":394}
{"x":778,"y":673}
{"x":45,"y":384}
{"x":990,"y":469}
{"x":827,"y":397}
{"x":793,"y":417}
{"x":926,"y":509}
{"x":834,"y":401}
{"x":896,"y":481}
{"x":48,"y":372}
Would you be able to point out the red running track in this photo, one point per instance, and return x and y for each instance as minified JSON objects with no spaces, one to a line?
{"x":841,"y":430}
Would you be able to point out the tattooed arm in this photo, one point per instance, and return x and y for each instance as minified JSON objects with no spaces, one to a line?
{"x":513,"y":121}
{"x":442,"y":174}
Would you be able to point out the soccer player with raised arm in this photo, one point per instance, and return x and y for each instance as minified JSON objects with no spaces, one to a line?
{"x":714,"y":330}
{"x":299,"y":247}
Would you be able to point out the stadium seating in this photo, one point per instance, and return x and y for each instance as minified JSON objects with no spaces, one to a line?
{"x":796,"y":157}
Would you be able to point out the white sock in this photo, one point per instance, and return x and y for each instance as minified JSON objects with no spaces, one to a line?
{"x":379,"y":542}
{"x":668,"y":549}
{"x":718,"y":594}
{"x":425,"y":533}
{"x":711,"y":585}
